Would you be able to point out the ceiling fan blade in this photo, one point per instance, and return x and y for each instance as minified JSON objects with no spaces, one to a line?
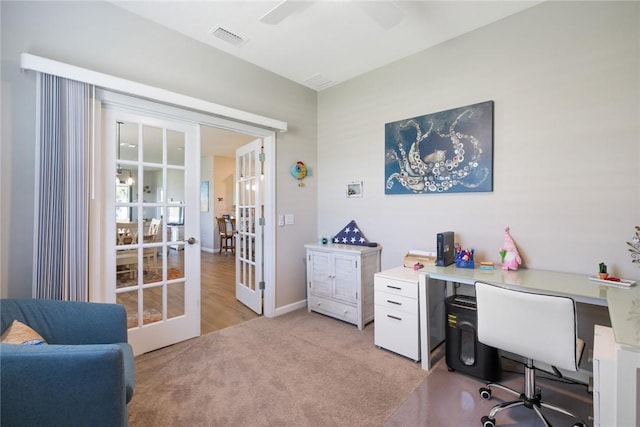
{"x":282,"y":10}
{"x":386,"y":14}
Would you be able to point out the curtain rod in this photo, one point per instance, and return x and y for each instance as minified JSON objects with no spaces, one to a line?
{"x":106,"y":81}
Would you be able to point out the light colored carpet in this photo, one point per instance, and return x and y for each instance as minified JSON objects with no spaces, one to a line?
{"x":299,"y":369}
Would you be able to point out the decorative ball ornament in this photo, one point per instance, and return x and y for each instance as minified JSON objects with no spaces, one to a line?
{"x":299,"y":171}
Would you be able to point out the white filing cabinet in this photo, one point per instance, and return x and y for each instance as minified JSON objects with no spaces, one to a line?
{"x":396,"y":312}
{"x":616,"y":381}
{"x":340,"y":281}
{"x":604,"y":356}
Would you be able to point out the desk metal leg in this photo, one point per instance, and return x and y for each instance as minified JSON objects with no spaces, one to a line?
{"x":425,"y":336}
{"x":431,"y":295}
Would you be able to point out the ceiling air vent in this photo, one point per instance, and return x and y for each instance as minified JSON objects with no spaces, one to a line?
{"x":228,"y":36}
{"x":318,"y":81}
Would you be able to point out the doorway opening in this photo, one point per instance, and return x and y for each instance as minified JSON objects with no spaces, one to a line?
{"x":219,"y":306}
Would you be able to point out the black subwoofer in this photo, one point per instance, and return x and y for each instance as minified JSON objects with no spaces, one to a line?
{"x":463,"y":351}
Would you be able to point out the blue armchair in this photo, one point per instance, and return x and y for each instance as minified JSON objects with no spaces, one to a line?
{"x":84,"y":376}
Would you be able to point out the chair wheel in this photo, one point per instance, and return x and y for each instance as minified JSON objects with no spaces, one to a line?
{"x":488,"y":422}
{"x":450,"y":369}
{"x":485,"y":393}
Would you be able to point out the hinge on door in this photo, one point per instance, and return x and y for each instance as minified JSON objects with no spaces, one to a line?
{"x":356,"y":295}
{"x":261,"y":285}
{"x":261,"y":221}
{"x":261,"y":157}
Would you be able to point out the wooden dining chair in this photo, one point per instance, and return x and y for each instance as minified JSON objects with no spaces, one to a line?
{"x":227,"y":234}
{"x":150,"y":255}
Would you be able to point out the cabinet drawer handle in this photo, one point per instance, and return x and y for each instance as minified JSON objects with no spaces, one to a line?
{"x":394,"y":317}
{"x":394,"y":287}
{"x":394,"y":302}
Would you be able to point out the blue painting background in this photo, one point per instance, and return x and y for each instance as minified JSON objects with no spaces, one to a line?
{"x":446,"y":152}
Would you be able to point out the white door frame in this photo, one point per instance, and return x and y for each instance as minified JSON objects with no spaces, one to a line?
{"x":141,"y":106}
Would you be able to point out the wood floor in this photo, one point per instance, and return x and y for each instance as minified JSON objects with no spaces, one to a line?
{"x":219,"y":308}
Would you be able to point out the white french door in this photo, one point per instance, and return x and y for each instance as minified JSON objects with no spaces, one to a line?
{"x":152,"y":225}
{"x":250,"y":225}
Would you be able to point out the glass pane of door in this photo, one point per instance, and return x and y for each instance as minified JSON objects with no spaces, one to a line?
{"x":249,"y":261}
{"x":150,"y":205}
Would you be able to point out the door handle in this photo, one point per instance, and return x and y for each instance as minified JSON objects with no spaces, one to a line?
{"x":191,"y":240}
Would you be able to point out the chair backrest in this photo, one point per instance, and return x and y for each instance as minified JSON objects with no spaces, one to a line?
{"x":222,"y":227}
{"x":536,"y":326}
{"x":154,"y":227}
{"x":231,"y":224}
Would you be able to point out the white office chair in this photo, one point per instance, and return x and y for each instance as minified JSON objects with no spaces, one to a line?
{"x":535,"y":326}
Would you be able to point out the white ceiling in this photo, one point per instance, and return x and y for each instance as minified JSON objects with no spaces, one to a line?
{"x":322,"y":43}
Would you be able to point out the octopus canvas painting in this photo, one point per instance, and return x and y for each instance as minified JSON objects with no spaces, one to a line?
{"x":446,"y":152}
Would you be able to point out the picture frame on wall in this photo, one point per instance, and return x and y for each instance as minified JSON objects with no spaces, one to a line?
{"x":204,"y":196}
{"x":446,"y":152}
{"x":354,"y":189}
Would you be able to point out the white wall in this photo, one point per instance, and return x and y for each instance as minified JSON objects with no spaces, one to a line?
{"x":224,"y":172}
{"x":102,"y":37}
{"x":565,"y":80}
{"x":207,"y":219}
{"x":224,"y":179}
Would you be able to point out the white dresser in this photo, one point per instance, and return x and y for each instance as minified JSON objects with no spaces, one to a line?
{"x":340,"y":281}
{"x":176,"y":234}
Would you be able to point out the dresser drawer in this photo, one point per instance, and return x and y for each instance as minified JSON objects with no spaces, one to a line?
{"x":398,"y":287}
{"x":332,"y":308}
{"x":396,"y":302}
{"x":397,"y":331}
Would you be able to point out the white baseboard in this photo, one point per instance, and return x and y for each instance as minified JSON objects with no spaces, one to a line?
{"x":210,"y":250}
{"x":291,"y":307}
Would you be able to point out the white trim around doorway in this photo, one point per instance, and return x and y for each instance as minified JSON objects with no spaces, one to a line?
{"x":269,"y":138}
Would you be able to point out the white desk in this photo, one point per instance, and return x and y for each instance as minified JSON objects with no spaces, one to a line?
{"x":623,"y":305}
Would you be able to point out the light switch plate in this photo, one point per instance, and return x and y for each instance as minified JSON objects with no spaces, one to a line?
{"x":289,"y":219}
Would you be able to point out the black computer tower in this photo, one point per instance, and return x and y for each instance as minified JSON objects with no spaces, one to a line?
{"x":445,"y":249}
{"x":463,"y":351}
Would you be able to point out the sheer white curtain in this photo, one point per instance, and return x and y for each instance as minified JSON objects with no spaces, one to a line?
{"x":62,"y":189}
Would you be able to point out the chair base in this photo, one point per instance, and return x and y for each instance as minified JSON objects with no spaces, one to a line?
{"x":531,"y":399}
{"x":227,"y":244}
